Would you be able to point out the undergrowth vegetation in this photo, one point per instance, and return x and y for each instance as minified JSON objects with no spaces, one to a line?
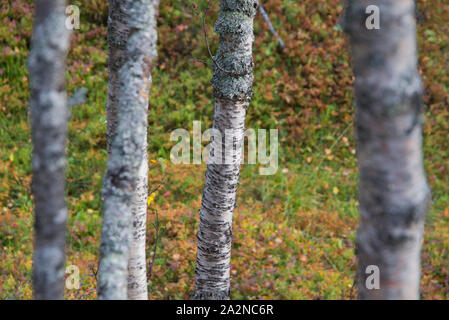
{"x":294,"y":231}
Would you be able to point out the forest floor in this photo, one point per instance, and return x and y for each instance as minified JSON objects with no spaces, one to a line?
{"x":294,"y":231}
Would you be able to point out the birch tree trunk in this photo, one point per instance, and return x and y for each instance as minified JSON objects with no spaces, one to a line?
{"x":393,"y":192}
{"x":118,"y":32}
{"x":49,"y":117}
{"x":132,"y":42}
{"x":233,"y":92}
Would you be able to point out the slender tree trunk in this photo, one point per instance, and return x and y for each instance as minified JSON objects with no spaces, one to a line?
{"x":233,"y":92}
{"x":49,"y":116}
{"x":118,"y":32}
{"x":133,"y":49}
{"x":393,"y":192}
{"x":137,"y":277}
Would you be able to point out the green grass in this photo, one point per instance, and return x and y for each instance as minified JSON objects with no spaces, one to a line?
{"x":294,"y":231}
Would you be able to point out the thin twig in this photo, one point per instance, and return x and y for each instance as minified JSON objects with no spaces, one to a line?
{"x":79,"y":295}
{"x":94,"y":271}
{"x":156,"y":240}
{"x":157,"y":225}
{"x":207,"y":40}
{"x":270,"y":25}
{"x":80,"y":285}
{"x":201,"y":60}
{"x":418,"y":14}
{"x":87,"y":292}
{"x":158,"y":187}
{"x":19,"y":290}
{"x":353,"y":286}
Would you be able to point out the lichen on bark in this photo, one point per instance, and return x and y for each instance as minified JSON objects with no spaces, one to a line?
{"x":233,"y":92}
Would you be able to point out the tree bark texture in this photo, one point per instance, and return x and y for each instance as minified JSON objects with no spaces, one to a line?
{"x":137,"y":271}
{"x":132,"y":42}
{"x":393,"y":191}
{"x":118,"y":33}
{"x":232,"y":83}
{"x":49,"y":117}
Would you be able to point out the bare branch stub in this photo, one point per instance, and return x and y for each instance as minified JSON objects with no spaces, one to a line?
{"x":156,"y":240}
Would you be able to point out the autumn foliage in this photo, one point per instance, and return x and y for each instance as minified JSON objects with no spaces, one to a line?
{"x":294,"y":232}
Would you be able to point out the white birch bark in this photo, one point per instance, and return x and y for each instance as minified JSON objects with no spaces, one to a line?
{"x":132,"y":41}
{"x":118,"y":31}
{"x":49,"y":117}
{"x":137,"y":277}
{"x":393,"y":192}
{"x":233,"y":92}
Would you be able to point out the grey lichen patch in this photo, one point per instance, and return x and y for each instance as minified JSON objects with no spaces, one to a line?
{"x":233,"y":88}
{"x":233,"y":80}
{"x":236,"y":67}
{"x":233,"y":24}
{"x":247,"y":7}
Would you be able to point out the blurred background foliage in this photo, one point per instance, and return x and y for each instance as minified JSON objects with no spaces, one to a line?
{"x":294,"y":232}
